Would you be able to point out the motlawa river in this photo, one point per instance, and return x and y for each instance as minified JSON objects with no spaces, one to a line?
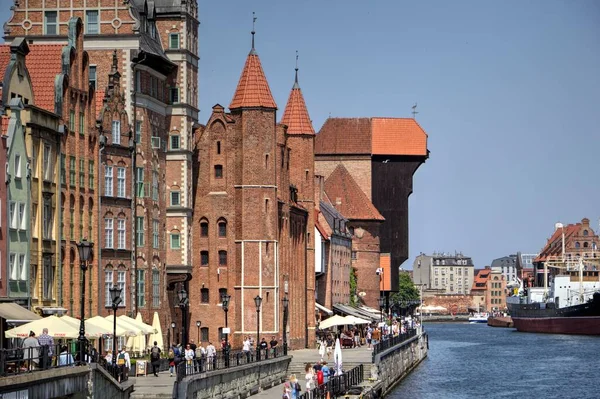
{"x":477,"y":361}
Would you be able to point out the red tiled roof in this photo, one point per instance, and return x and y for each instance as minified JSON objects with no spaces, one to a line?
{"x":554,"y":245}
{"x":252,"y":89}
{"x":374,"y":136}
{"x":4,"y":59}
{"x":348,"y":198}
{"x":44,"y":63}
{"x":318,"y":216}
{"x":295,"y":115}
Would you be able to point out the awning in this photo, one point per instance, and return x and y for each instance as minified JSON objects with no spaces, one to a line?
{"x":357,"y":312}
{"x":323,"y":309}
{"x":16,"y":314}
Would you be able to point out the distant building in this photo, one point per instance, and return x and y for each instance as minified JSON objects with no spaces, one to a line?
{"x":525,"y":268}
{"x":508,"y":266}
{"x":451,"y":274}
{"x":489,"y":290}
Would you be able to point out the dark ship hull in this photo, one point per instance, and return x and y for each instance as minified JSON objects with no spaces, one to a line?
{"x":581,"y":319}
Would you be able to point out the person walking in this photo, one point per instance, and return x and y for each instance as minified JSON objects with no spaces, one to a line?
{"x":322,"y":349}
{"x":155,"y":359}
{"x":47,"y":347}
{"x":30,"y":351}
{"x":171,"y":358}
{"x":124,"y":364}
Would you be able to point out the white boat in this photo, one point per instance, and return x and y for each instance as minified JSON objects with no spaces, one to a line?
{"x":478,"y":318}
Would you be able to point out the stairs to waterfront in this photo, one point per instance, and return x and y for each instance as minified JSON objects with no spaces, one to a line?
{"x":350,"y":359}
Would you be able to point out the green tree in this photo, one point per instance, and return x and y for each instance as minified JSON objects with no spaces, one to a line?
{"x":353,"y":285}
{"x":407,"y":292}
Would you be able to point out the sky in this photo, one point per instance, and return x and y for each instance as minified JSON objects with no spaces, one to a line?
{"x":508,"y":92}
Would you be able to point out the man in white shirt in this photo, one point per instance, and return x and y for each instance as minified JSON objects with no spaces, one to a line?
{"x":211,"y":353}
{"x":246,"y":348}
{"x":124,"y":363}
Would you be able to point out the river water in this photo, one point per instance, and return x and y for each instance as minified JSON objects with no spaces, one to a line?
{"x":477,"y":361}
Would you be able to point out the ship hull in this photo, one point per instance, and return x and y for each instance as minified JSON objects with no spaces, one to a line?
{"x":583,"y":319}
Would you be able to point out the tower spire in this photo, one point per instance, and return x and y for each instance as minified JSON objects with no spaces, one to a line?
{"x":296,"y":85}
{"x":253,"y":51}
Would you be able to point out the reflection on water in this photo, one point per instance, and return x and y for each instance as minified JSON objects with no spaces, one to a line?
{"x":477,"y":361}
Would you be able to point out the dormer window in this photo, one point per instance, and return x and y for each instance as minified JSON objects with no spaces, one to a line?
{"x":152,"y":29}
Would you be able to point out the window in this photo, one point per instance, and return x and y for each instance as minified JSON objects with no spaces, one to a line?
{"x":108,"y":283}
{"x":155,"y":288}
{"x":141,"y":288}
{"x":17,"y":166}
{"x":92,"y":76}
{"x":63,"y":169}
{"x":72,"y":171}
{"x":175,"y":241}
{"x":155,"y":234}
{"x":91,"y":22}
{"x":218,"y":171}
{"x":353,"y":256}
{"x":19,"y":211}
{"x":48,"y":219}
{"x":50,"y":23}
{"x":12,"y":215}
{"x":204,"y":334}
{"x":174,"y":95}
{"x":154,"y":185}
{"x":48,"y":166}
{"x":174,"y":40}
{"x":90,"y":222}
{"x":138,"y":132}
{"x":116,"y":132}
{"x":34,"y":281}
{"x":577,"y":245}
{"x":91,"y":174}
{"x":108,"y":181}
{"x":222,"y":228}
{"x":108,"y":233}
{"x":174,"y":141}
{"x":121,"y":234}
{"x":204,"y":229}
{"x":48,"y":278}
{"x":72,"y":121}
{"x":218,"y":147}
{"x":82,"y":123}
{"x":585,"y":233}
{"x":34,"y":208}
{"x":13,"y":267}
{"x":139,"y":174}
{"x":222,"y":291}
{"x":139,"y":231}
{"x":222,"y":258}
{"x":71,"y":221}
{"x":175,"y":198}
{"x":120,"y":182}
{"x":81,"y":173}
{"x":138,"y":81}
{"x":122,"y":286}
{"x":204,"y":295}
{"x":204,"y":258}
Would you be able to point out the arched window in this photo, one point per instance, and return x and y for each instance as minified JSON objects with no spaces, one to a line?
{"x":585,"y":232}
{"x":204,"y":258}
{"x":577,"y":245}
{"x":222,"y":258}
{"x":222,"y":228}
{"x":218,"y":171}
{"x":204,"y":297}
{"x":585,"y":244}
{"x":204,"y":228}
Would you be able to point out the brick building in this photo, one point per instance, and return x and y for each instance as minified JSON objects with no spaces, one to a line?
{"x":489,"y":290}
{"x":249,"y":224}
{"x":364,"y":222}
{"x":381,"y":155}
{"x":157,"y":54}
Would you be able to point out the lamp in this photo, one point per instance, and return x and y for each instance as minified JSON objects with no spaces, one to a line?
{"x":286,"y":303}
{"x":198,"y":324}
{"x":173,"y":325}
{"x":85,"y":250}
{"x":381,"y":303}
{"x":257,"y":302}
{"x":115,"y":300}
{"x":225,"y":303}
{"x":183,"y":301}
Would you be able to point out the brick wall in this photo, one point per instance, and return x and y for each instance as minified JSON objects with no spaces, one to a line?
{"x":365,"y":243}
{"x":359,"y":168}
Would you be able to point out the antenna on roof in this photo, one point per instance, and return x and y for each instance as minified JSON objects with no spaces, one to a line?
{"x":414,"y":107}
{"x":253,"y":25}
{"x":296,"y":79}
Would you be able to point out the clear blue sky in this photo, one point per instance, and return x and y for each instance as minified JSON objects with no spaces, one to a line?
{"x":509,"y":93}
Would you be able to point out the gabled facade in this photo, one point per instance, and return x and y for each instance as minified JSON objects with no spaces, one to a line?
{"x":381,"y":155}
{"x":249,"y":224}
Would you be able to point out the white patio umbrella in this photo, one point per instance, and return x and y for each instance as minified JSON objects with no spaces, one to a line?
{"x":57,"y":328}
{"x":337,"y":357}
{"x":158,"y":337}
{"x":332,"y":321}
{"x":137,"y":344}
{"x":146,"y":328}
{"x":107,"y":325}
{"x":356,"y":320}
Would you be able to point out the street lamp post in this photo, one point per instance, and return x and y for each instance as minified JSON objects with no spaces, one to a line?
{"x":85,"y":250}
{"x":198,"y":324}
{"x":286,"y":302}
{"x":381,"y":303}
{"x":225,"y":302}
{"x":257,"y":302}
{"x":173,"y":325}
{"x":115,"y":300}
{"x":183,"y":302}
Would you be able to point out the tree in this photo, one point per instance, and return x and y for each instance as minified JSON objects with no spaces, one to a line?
{"x":353,"y":286}
{"x":407,"y":292}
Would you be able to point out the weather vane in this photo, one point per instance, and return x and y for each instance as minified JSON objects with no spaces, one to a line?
{"x":414,"y":111}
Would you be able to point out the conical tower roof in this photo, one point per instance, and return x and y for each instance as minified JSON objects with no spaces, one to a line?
{"x":295,"y":115}
{"x":252,"y":89}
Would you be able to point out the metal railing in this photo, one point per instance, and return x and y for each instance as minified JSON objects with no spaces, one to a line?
{"x":223,"y":360}
{"x":336,"y":386}
{"x":27,"y":360}
{"x":119,"y":373}
{"x":388,"y":342}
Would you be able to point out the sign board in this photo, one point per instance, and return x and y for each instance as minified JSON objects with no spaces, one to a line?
{"x":140,"y":368}
{"x":226,"y":330}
